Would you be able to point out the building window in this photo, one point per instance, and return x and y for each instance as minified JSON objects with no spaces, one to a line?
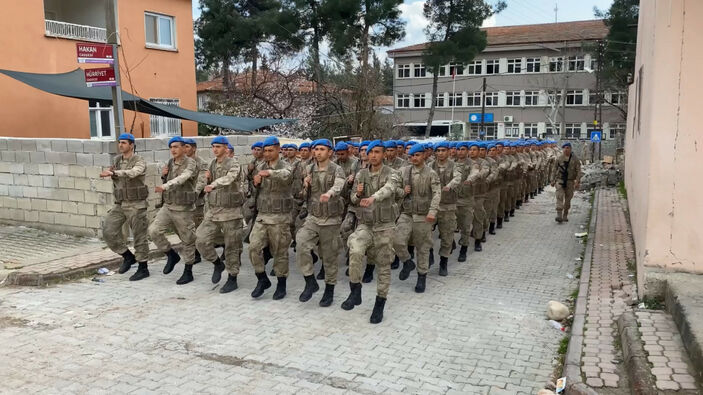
{"x":554,"y":98}
{"x":474,"y":67}
{"x":456,"y":100}
{"x":576,"y":63}
{"x":512,"y":130}
{"x":574,"y":98}
{"x":492,"y":66}
{"x":402,"y":101}
{"x":530,"y":130}
{"x":102,"y":123}
{"x":165,"y":126}
{"x":473,"y":99}
{"x":573,"y":130}
{"x":490,"y":131}
{"x":160,"y":31}
{"x":442,"y":71}
{"x":514,"y":66}
{"x":419,"y":70}
{"x":593,"y":98}
{"x":439,"y":100}
{"x":491,"y":99}
{"x":556,"y":64}
{"x":617,"y":129}
{"x":617,"y":98}
{"x":512,"y":98}
{"x":456,"y":69}
{"x":419,"y":101}
{"x":553,"y":129}
{"x":533,"y":65}
{"x":531,"y":98}
{"x":403,"y":71}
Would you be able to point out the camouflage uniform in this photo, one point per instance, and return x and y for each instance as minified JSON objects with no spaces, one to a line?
{"x":568,"y":172}
{"x":493,"y":197}
{"x":471,"y":172}
{"x":480,"y":189}
{"x":450,"y":176}
{"x":199,"y":211}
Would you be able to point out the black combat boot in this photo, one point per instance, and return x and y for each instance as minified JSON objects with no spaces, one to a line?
{"x":477,"y":245}
{"x":483,"y":238}
{"x":172,"y":258}
{"x":518,"y":204}
{"x":431,"y":257}
{"x":377,"y":314}
{"x":141,"y":273}
{"x":368,"y":273}
{"x":328,"y":296}
{"x":408,"y":266}
{"x":280,"y":292}
{"x":263,"y":284}
{"x":506,"y":216}
{"x":396,"y":263}
{"x":499,"y":224}
{"x":462,"y":254}
{"x":128,"y":260}
{"x":187,"y":275}
{"x":443,"y":266}
{"x":230,"y":285}
{"x":217,"y":270}
{"x":198,"y":258}
{"x":492,"y":228}
{"x":411,"y":251}
{"x":354,"y":298}
{"x":310,"y":288}
{"x":420,"y":285}
{"x":321,"y":274}
{"x":512,"y":212}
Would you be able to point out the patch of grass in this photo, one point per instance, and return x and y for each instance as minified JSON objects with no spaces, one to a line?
{"x":622,"y":190}
{"x":653,"y":303}
{"x":563,"y":345}
{"x":575,"y":294}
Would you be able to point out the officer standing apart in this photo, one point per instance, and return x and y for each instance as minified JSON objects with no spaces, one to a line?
{"x":324,"y":181}
{"x":177,"y":211}
{"x":224,"y":214}
{"x":130,"y":191}
{"x":374,"y":192}
{"x":274,"y":203}
{"x":567,"y":171}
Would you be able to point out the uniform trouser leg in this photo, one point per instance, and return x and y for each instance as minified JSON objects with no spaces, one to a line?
{"x":277,"y":238}
{"x":182,"y":223}
{"x":381,"y":252}
{"x":401,"y":237}
{"x":446,"y":222}
{"x":138,"y":222}
{"x":233,"y":239}
{"x":487,"y":208}
{"x":504,"y":202}
{"x":359,"y":242}
{"x":464,"y":217}
{"x":564,"y":195}
{"x":479,"y":217}
{"x":198,"y":215}
{"x":493,"y":202}
{"x":422,"y":239}
{"x":329,"y":242}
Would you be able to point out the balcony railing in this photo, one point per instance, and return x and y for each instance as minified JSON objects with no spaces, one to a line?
{"x":74,"y":32}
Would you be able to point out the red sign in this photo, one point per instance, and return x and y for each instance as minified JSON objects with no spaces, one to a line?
{"x":104,"y":76}
{"x":94,"y":53}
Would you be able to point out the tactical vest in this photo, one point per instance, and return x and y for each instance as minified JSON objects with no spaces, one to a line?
{"x":465,"y":191}
{"x":184,"y":194}
{"x":228,"y":196}
{"x":129,"y":189}
{"x":381,"y":211}
{"x":448,"y":197}
{"x":274,"y":197}
{"x":418,"y":202}
{"x":318,"y":186}
{"x":481,"y":186}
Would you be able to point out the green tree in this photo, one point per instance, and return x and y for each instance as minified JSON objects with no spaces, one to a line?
{"x":454,"y":35}
{"x":314,"y":22}
{"x":216,"y":42}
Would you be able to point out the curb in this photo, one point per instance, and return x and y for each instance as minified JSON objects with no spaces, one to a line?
{"x":572,"y":361}
{"x":677,"y":308}
{"x":636,"y":364}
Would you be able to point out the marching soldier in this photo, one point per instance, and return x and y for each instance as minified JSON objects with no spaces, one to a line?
{"x":130,"y":192}
{"x":322,"y":185}
{"x":296,"y":186}
{"x":191,"y":150}
{"x":450,"y":179}
{"x":480,"y":189}
{"x":493,"y":200}
{"x":274,"y":203}
{"x":224,"y":215}
{"x":470,"y":171}
{"x":374,"y":192}
{"x":422,"y":192}
{"x":306,"y":156}
{"x":567,"y":178}
{"x":178,"y":193}
{"x":391,"y":159}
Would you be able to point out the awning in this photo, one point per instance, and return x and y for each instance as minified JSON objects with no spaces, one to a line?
{"x":72,"y":84}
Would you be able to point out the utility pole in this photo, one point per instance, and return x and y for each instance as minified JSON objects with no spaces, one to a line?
{"x":601,"y":47}
{"x":113,"y":39}
{"x":483,"y":110}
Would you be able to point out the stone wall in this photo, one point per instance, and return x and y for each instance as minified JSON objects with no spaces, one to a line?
{"x":54,"y":184}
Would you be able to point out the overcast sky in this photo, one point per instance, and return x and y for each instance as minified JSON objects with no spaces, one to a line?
{"x":518,"y":12}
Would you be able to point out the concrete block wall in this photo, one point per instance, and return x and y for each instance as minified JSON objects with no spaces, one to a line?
{"x":54,"y":184}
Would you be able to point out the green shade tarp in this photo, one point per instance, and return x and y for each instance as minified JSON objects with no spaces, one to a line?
{"x":72,"y":84}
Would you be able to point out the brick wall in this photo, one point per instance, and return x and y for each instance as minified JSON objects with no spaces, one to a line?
{"x":54,"y":184}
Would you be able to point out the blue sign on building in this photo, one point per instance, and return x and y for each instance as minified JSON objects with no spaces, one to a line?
{"x":596,"y":136}
{"x":475,"y":117}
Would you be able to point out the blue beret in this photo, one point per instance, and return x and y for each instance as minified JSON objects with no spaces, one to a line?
{"x":364,"y":143}
{"x":415,"y":149}
{"x":229,"y":147}
{"x":324,"y":142}
{"x":474,"y":144}
{"x":490,"y":145}
{"x":500,"y":143}
{"x":190,"y":142}
{"x":341,"y":146}
{"x":427,"y":146}
{"x":126,"y":136}
{"x":258,"y":144}
{"x":374,"y":144}
{"x":567,"y":144}
{"x":271,"y":140}
{"x":220,"y":140}
{"x":294,"y":146}
{"x":175,"y":139}
{"x":389,"y":144}
{"x":400,"y":143}
{"x":410,"y":143}
{"x":356,"y":144}
{"x":305,"y":144}
{"x":462,"y":144}
{"x":442,"y":144}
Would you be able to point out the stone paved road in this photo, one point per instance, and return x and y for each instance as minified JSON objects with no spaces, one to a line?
{"x":480,"y":330}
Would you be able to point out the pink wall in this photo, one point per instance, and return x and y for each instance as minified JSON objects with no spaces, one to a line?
{"x":664,"y":138}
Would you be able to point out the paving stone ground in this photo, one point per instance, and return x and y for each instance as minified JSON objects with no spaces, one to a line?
{"x":482,"y":329}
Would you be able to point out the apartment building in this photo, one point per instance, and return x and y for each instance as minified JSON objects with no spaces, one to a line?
{"x":540,"y":82}
{"x":156,"y":63}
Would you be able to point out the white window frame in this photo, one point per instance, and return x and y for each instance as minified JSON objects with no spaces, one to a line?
{"x":532,"y":97}
{"x":157,"y":45}
{"x":475,"y":67}
{"x":439,"y":100}
{"x":419,"y":70}
{"x":491,"y":99}
{"x":494,"y":65}
{"x":403,"y":71}
{"x":620,"y":98}
{"x":556,"y":64}
{"x":165,"y":126}
{"x":514,"y":66}
{"x":512,"y":129}
{"x":531,"y":130}
{"x":456,"y":66}
{"x":95,"y":113}
{"x":615,"y":128}
{"x":555,"y":132}
{"x":510,"y":98}
{"x":572,"y":131}
{"x":402,"y":100}
{"x":572,"y":97}
{"x":535,"y":64}
{"x":419,"y":99}
{"x":576,"y":63}
{"x":473,"y":99}
{"x":456,"y":97}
